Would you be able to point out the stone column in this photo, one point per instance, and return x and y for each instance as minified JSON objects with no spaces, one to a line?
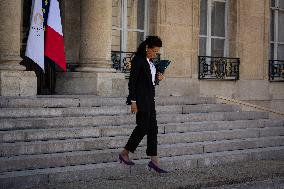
{"x":96,"y":31}
{"x":14,"y":81}
{"x":71,"y":22}
{"x":94,"y":74}
{"x":10,"y":19}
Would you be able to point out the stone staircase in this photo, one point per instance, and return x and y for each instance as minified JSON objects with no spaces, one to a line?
{"x":51,"y":139}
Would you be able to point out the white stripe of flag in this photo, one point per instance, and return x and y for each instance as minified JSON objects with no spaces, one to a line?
{"x":35,"y":43}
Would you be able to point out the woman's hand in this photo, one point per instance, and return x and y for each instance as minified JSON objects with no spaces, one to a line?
{"x":134,"y":108}
{"x":160,"y":76}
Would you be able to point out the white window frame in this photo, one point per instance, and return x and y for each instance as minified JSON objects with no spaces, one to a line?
{"x":275,"y":43}
{"x":209,"y":37}
{"x":124,"y":29}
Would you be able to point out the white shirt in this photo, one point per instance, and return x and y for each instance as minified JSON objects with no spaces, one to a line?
{"x":153,"y":70}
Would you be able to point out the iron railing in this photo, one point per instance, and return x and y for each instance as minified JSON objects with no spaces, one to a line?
{"x":218,"y":68}
{"x":276,"y":70}
{"x":122,"y":60}
{"x":71,"y":67}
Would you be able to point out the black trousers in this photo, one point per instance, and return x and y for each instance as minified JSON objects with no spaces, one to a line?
{"x":146,"y":125}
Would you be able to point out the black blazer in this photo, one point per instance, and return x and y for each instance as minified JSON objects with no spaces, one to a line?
{"x":140,"y":84}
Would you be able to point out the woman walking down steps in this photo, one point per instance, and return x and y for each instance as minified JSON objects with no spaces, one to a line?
{"x":142,"y":81}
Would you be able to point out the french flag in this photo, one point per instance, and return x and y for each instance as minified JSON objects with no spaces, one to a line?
{"x":46,"y":36}
{"x":54,"y":41}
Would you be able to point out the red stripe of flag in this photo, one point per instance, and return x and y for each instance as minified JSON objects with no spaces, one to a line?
{"x":54,"y":47}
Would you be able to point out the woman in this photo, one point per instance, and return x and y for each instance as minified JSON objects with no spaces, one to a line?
{"x":141,"y":86}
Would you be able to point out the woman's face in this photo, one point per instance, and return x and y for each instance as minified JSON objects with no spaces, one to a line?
{"x":152,"y":52}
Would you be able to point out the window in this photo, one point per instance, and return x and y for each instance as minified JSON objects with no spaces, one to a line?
{"x":213,"y":28}
{"x":129,"y":24}
{"x":277,"y":30}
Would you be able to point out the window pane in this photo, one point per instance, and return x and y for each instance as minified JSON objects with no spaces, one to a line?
{"x":203,"y":17}
{"x":217,"y":47}
{"x":135,"y":14}
{"x":271,"y":53}
{"x":281,"y":4}
{"x":281,"y":26}
{"x":218,"y":19}
{"x":280,"y":52}
{"x":202,"y":46}
{"x":272,"y":3}
{"x":115,"y":43}
{"x":134,"y":40}
{"x":116,"y":13}
{"x":272,"y":17}
{"x":140,"y":14}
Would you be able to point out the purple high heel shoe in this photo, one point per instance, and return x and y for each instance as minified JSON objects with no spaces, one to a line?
{"x":121,"y":159}
{"x":152,"y":165}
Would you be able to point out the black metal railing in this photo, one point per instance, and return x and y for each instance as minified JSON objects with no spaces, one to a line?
{"x":71,"y":67}
{"x":218,"y":68}
{"x":122,"y":60}
{"x":276,"y":70}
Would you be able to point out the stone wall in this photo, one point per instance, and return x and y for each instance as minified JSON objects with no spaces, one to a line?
{"x":176,"y":22}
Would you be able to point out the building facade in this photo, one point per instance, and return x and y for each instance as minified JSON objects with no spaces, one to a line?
{"x":217,"y":47}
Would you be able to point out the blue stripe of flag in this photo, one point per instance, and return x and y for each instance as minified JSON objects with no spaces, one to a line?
{"x":45,"y":8}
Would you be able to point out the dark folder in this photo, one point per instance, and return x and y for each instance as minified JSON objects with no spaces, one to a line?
{"x":162,"y":65}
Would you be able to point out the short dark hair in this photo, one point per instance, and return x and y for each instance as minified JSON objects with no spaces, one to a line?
{"x":151,"y":41}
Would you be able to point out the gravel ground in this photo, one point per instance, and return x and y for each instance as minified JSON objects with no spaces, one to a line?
{"x":245,"y":175}
{"x":276,"y":183}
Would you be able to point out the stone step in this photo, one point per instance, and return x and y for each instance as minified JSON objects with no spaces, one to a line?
{"x":56,"y":146}
{"x":113,"y":110}
{"x":212,"y":125}
{"x":110,"y":155}
{"x":28,"y":178}
{"x":205,"y":108}
{"x":36,"y":123}
{"x":90,"y":100}
{"x":125,"y":130}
